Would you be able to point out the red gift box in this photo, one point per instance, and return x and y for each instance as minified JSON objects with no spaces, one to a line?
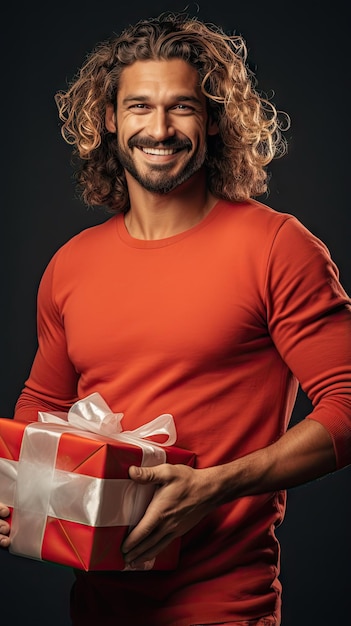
{"x":68,"y":489}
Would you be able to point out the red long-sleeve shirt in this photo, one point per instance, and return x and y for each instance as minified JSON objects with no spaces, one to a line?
{"x":216,"y":325}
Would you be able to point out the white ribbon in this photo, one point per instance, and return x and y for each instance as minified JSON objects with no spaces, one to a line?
{"x":41,"y":490}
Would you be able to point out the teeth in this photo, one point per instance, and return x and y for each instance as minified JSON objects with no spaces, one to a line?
{"x":158,"y":151}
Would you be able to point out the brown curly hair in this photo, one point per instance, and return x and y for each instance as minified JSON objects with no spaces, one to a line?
{"x":250,"y":129}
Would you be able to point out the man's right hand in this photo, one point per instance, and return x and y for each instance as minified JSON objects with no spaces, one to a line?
{"x":4,"y":526}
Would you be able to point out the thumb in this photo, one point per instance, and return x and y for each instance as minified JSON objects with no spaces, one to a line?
{"x":142,"y":474}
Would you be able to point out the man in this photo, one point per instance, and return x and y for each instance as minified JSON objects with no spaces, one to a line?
{"x":197,"y":300}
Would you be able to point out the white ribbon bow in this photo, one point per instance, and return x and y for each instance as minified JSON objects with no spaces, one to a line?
{"x":43,"y":491}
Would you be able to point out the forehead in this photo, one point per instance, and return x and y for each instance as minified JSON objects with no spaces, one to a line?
{"x":161,"y":76}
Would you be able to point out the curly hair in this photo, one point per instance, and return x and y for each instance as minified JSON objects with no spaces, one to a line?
{"x":250,"y":128}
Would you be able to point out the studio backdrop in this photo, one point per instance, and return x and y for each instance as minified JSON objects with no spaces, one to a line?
{"x":301,"y":59}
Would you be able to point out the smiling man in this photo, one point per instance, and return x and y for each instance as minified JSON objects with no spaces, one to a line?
{"x":161,"y":108}
{"x":162,"y":124}
{"x":198,"y":300}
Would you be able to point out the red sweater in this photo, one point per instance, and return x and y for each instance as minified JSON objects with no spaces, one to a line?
{"x":215,"y":325}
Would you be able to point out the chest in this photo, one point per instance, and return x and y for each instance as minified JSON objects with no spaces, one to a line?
{"x":169,"y":301}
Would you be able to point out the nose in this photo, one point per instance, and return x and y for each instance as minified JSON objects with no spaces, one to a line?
{"x":160,"y":126}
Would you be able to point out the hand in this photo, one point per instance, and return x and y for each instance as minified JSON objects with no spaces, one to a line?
{"x":183,"y":497}
{"x":4,"y":526}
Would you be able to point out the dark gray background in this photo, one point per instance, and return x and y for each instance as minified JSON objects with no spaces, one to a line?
{"x":299,"y":53}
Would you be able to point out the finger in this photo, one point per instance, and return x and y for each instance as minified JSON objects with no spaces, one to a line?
{"x":137,"y":557}
{"x":4,"y":532}
{"x":4,"y":527}
{"x":4,"y":510}
{"x":159,"y":474}
{"x":153,"y":530}
{"x":142,"y":474}
{"x":142,"y":532}
{"x":4,"y":541}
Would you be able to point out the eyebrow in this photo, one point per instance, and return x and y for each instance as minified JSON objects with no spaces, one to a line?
{"x":178,"y":98}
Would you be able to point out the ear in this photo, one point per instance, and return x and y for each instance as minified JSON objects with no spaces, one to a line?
{"x":110,"y":118}
{"x":212,"y":127}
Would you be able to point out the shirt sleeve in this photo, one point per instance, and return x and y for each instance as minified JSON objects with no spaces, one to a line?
{"x":309,"y":318}
{"x":52,"y":382}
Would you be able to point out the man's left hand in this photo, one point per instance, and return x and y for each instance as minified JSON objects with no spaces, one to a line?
{"x":183,"y":497}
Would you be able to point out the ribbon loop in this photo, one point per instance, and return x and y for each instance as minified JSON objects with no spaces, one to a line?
{"x":161,"y":425}
{"x":91,"y":414}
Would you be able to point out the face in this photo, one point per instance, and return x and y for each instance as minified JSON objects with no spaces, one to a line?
{"x":161,"y":123}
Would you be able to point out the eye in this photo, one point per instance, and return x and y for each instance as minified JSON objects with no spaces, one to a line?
{"x":138,"y":107}
{"x":183,"y":108}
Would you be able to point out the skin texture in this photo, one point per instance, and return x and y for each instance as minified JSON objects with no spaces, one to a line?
{"x":160,"y":103}
{"x":154,"y":106}
{"x":160,"y":107}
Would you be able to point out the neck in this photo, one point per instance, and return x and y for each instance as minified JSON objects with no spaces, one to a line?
{"x":157,"y":216}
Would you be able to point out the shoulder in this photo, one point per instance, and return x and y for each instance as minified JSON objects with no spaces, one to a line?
{"x":258,"y":222}
{"x":275,"y":242}
{"x":80,"y":252}
{"x":253,"y":216}
{"x":253,"y":209}
{"x":87,"y":242}
{"x":250,"y":226}
{"x":96,"y":236}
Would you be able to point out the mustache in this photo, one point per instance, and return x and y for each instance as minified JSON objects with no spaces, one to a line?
{"x":170,"y":142}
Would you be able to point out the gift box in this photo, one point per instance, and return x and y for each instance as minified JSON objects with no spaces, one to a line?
{"x":65,"y":479}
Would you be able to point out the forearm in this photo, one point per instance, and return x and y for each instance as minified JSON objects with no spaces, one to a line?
{"x":305,"y":452}
{"x":185,"y":495}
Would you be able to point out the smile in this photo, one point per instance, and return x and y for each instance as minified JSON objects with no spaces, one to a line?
{"x":159,"y":151}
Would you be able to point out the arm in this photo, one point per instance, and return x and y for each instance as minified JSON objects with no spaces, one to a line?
{"x":304,"y":453}
{"x":309,"y":320}
{"x":186,"y":495}
{"x":52,"y":382}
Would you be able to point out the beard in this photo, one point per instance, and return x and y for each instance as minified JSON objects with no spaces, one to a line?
{"x":159,"y":178}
